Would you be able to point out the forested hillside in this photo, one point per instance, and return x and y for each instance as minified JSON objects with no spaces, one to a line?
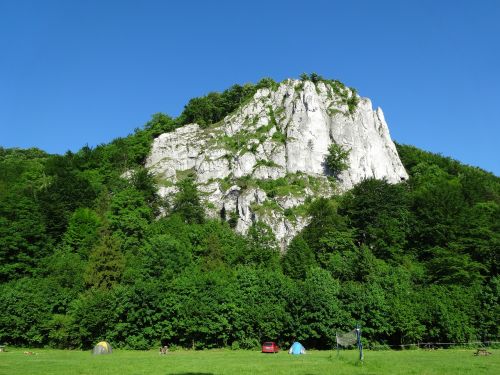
{"x":84,"y":257}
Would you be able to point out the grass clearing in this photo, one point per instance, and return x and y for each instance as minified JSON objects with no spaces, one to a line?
{"x":124,"y":362}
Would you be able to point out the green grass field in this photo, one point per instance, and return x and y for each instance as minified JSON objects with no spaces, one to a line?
{"x":124,"y":362}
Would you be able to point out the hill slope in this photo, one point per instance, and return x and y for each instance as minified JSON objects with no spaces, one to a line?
{"x":86,"y":256}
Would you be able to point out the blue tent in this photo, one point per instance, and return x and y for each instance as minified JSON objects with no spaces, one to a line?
{"x":297,"y":348}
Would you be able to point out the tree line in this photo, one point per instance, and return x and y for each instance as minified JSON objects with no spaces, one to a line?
{"x":84,"y":257}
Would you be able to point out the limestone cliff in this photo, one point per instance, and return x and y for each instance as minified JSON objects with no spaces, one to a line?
{"x":265,"y":160}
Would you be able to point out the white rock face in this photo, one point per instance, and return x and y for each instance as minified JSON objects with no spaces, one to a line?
{"x":278,"y":133}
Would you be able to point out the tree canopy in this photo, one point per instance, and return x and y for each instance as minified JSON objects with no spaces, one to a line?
{"x":89,"y":253}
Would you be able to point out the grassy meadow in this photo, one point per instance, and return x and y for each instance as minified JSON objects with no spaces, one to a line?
{"x":124,"y":362}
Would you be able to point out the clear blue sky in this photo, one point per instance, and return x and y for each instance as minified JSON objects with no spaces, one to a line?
{"x":85,"y":72}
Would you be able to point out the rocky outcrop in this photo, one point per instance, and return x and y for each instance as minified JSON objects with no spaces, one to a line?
{"x":280,"y":135}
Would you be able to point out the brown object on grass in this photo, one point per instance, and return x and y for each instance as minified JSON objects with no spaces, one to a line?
{"x":480,"y":352}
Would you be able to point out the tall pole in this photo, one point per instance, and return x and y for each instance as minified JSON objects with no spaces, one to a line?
{"x":337,"y":341}
{"x":360,"y":345}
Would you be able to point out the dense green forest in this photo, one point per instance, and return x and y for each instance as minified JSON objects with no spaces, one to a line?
{"x":84,"y":257}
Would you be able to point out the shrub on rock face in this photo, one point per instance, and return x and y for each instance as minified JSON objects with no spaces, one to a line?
{"x":187,"y":202}
{"x":336,"y":160}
